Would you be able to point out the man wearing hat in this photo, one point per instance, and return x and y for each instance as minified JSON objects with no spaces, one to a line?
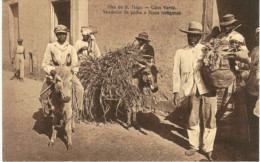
{"x":55,"y":55}
{"x":188,"y":82}
{"x":19,"y":57}
{"x":87,"y":47}
{"x":145,"y":48}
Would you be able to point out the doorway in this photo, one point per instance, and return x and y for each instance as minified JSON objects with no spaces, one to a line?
{"x":13,"y":26}
{"x":60,"y":14}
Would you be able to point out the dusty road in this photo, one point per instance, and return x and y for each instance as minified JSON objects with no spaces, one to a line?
{"x":26,"y":134}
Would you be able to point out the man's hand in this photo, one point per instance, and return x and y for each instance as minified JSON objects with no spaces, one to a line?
{"x":177,"y":100}
{"x":53,"y":73}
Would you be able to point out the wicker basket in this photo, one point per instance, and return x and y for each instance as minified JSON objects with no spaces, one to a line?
{"x":221,"y":78}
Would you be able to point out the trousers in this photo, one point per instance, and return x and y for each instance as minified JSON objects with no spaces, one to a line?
{"x":19,"y":64}
{"x":202,"y":121}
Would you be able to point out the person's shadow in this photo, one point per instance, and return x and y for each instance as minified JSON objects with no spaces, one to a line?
{"x":43,"y":125}
{"x":151,"y":122}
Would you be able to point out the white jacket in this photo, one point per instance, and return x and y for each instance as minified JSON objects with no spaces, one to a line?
{"x":60,"y":52}
{"x":186,"y":71}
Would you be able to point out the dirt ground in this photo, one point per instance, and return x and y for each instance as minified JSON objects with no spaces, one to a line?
{"x":26,"y":134}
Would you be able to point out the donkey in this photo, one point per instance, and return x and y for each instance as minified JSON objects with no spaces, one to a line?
{"x":61,"y":103}
{"x":145,"y":77}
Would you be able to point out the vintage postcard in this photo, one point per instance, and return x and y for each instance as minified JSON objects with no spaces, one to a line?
{"x":136,"y":80}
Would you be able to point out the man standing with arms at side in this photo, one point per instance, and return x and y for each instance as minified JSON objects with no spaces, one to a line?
{"x":19,"y":57}
{"x":187,"y":82}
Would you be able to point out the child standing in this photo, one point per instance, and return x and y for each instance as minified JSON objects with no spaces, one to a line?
{"x":19,"y":57}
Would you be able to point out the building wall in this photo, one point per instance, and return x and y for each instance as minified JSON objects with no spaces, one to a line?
{"x":34,"y":25}
{"x":36,"y":29}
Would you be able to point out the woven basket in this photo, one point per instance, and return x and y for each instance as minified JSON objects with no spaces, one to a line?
{"x":221,"y":78}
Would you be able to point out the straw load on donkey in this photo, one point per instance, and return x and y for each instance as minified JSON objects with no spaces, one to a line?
{"x":113,"y":81}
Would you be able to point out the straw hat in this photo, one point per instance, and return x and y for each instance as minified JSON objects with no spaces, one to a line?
{"x":194,"y":28}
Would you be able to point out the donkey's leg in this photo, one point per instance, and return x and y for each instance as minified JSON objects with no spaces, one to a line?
{"x":128,"y":116}
{"x":73,"y":124}
{"x":135,"y":123}
{"x":69,"y":132}
{"x":134,"y":113}
{"x":54,"y":131}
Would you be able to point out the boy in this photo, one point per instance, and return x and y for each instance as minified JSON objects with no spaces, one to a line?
{"x":19,"y":57}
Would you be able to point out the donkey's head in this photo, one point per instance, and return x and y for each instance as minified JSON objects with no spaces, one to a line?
{"x":149,"y":77}
{"x":63,"y":80}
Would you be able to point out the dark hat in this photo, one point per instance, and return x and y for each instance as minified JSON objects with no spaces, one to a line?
{"x":19,"y":40}
{"x":228,"y":19}
{"x":194,"y":28}
{"x":143,"y":36}
{"x":60,"y":29}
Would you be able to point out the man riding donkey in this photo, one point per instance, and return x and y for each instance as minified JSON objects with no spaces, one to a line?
{"x":56,"y":54}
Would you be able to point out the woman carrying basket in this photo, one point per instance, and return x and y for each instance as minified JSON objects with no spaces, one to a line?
{"x":238,"y":59}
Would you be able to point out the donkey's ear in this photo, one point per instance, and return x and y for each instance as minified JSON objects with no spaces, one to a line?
{"x":68,"y":60}
{"x":154,"y":70}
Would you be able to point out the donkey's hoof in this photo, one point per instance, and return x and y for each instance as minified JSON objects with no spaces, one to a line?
{"x":128,"y":126}
{"x":69,"y":147}
{"x":73,"y":130}
{"x":51,"y":144}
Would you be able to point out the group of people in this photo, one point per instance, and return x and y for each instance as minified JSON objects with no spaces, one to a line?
{"x":187,"y":78}
{"x":188,"y":82}
{"x":85,"y":48}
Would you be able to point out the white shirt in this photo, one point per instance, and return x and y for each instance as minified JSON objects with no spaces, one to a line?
{"x":95,"y":50}
{"x":186,"y":71}
{"x":19,"y":49}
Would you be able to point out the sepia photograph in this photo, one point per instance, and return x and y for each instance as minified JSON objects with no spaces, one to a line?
{"x":135,"y":80}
